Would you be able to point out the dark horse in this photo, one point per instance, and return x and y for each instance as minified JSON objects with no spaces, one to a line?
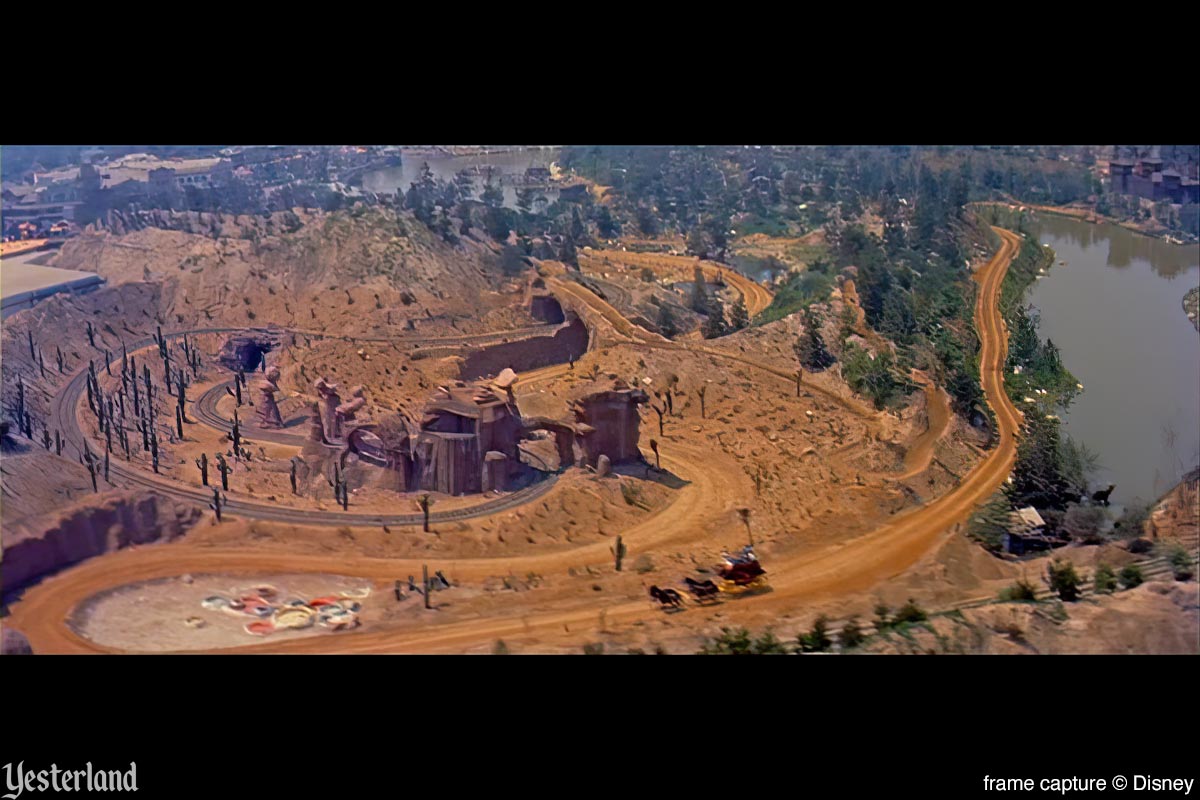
{"x":1101,"y":497}
{"x":667,"y":597}
{"x":701,"y":589}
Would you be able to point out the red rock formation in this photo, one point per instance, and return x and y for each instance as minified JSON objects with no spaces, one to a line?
{"x":268,"y":409}
{"x":89,"y":530}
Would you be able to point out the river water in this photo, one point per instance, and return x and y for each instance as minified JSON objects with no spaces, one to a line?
{"x":1115,"y":312}
{"x":445,"y":168}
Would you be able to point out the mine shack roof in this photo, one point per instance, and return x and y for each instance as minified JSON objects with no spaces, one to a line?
{"x":1028,"y":517}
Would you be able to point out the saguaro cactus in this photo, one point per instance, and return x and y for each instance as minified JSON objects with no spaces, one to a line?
{"x":799,"y":379}
{"x":91,"y":334}
{"x":202,"y":464}
{"x":702,"y":391}
{"x":425,"y":582}
{"x":215,"y":505}
{"x":425,"y":501}
{"x":619,"y":552}
{"x":179,"y":421}
{"x":224,"y":468}
{"x":293,"y":476}
{"x":660,"y":411}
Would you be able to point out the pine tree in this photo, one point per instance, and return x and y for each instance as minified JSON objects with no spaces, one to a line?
{"x":715,"y":325}
{"x":810,"y":347}
{"x":739,"y":317}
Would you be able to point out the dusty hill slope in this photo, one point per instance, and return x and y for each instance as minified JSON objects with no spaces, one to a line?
{"x":359,"y":271}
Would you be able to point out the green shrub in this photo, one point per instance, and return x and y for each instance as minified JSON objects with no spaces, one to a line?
{"x":1181,"y":562}
{"x":731,"y":642}
{"x":1063,"y":580}
{"x":768,"y":645}
{"x":1105,"y":580}
{"x":1021,"y":591}
{"x":816,"y":640}
{"x":851,"y":634}
{"x":1131,"y":576}
{"x":910,"y":612}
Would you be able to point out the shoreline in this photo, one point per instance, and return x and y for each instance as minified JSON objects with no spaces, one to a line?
{"x":1191,"y":306}
{"x":1090,"y":215}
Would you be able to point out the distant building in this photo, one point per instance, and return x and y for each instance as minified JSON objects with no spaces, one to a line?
{"x":1149,"y":180}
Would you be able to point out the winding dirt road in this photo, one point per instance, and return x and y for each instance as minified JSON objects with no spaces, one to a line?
{"x":849,"y":567}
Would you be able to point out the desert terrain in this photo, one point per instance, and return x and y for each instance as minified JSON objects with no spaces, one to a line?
{"x":109,"y":549}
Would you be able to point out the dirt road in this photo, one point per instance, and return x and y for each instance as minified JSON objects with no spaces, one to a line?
{"x":715,"y":483}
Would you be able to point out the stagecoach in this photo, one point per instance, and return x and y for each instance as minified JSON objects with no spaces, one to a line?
{"x":741,"y":572}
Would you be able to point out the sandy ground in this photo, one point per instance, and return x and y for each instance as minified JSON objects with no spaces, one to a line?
{"x":836,"y":510}
{"x":167,"y":615}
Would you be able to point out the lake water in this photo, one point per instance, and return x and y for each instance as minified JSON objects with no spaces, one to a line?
{"x":445,"y":168}
{"x":1115,"y":312}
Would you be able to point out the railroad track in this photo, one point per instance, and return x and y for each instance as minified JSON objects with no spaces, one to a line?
{"x":63,"y":416}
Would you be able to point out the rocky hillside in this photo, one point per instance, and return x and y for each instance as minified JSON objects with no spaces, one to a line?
{"x":365,"y":271}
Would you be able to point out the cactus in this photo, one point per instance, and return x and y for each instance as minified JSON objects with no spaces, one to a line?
{"x":293,"y":476}
{"x":91,"y":466}
{"x":702,"y":391}
{"x":660,"y":412}
{"x":799,"y":378}
{"x":108,"y":362}
{"x":179,"y":421}
{"x":107,"y":453}
{"x":20,"y":400}
{"x":425,"y":581}
{"x":58,"y":353}
{"x":57,"y":443}
{"x":181,"y":387}
{"x":154,"y":449}
{"x":202,"y":463}
{"x":215,"y":505}
{"x":29,"y":334}
{"x":619,"y":552}
{"x":236,"y":434}
{"x":46,"y":438}
{"x":425,"y":501}
{"x":91,"y":334}
{"x":224,"y":468}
